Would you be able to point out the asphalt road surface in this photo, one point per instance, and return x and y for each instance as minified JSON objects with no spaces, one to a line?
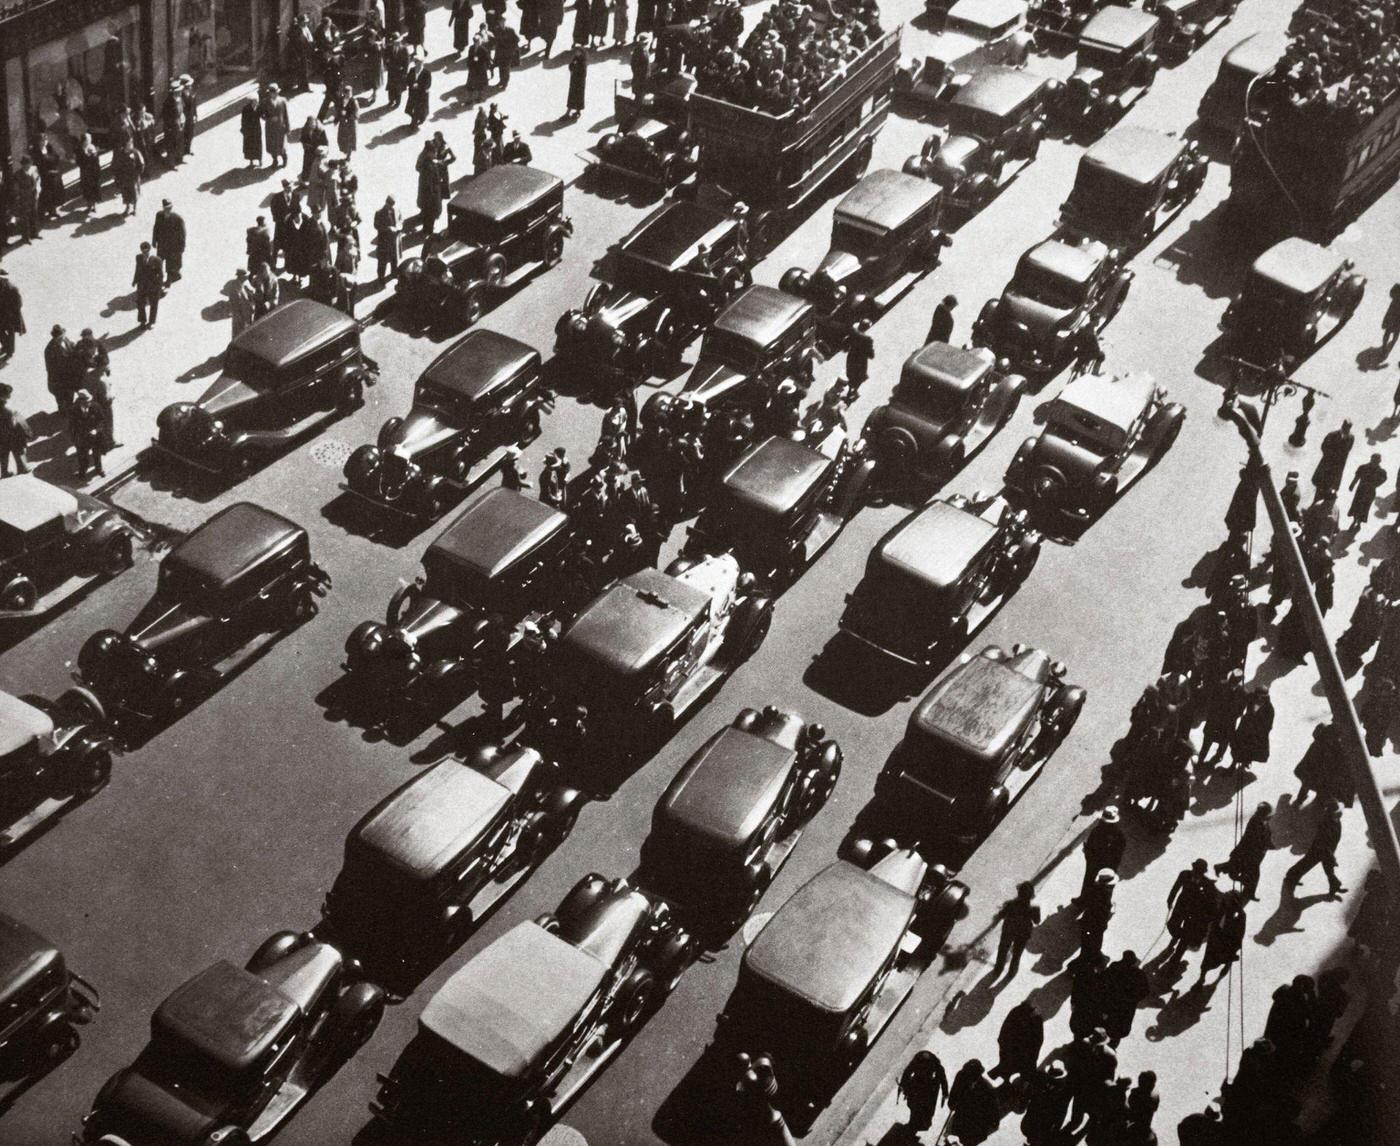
{"x":229,"y":825}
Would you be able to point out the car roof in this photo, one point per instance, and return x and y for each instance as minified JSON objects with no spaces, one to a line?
{"x":1258,"y":52}
{"x":886,"y":199}
{"x":981,"y":705}
{"x":24,"y":956}
{"x":634,"y":621}
{"x":431,"y":819}
{"x":670,"y":236}
{"x":292,"y":331}
{"x":761,"y":314}
{"x":1073,"y":261}
{"x":999,"y":90}
{"x":936,"y":543}
{"x":478,"y":363}
{"x":988,"y":13}
{"x":773,"y":476}
{"x":20,"y":723}
{"x":226,"y":1014}
{"x":1136,"y":154}
{"x":725,"y":789}
{"x":512,"y":1000}
{"x":827,"y":943}
{"x":497,"y":530}
{"x":1116,"y":27}
{"x":950,"y":367}
{"x":28,"y":502}
{"x":231,"y":543}
{"x":1297,"y":265}
{"x":1115,"y":400}
{"x":504,"y":190}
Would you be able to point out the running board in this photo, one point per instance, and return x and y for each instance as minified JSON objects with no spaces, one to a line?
{"x":32,"y":820}
{"x":288,"y":1098}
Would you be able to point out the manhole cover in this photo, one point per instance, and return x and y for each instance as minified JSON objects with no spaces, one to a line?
{"x":332,"y":454}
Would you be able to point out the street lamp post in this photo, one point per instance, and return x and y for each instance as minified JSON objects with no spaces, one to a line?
{"x":1353,"y":744}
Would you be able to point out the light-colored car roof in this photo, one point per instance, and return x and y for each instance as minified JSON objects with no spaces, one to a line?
{"x":988,"y":13}
{"x":1118,"y":402}
{"x":20,"y":723}
{"x":1297,"y":265}
{"x":28,"y":502}
{"x":1136,"y":154}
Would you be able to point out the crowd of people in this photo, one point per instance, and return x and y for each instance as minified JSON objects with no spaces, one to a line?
{"x":1343,"y":57}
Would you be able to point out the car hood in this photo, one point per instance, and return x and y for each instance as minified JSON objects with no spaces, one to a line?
{"x":837,"y":267}
{"x":226,"y":395}
{"x":711,"y":380}
{"x":140,"y":1110}
{"x":1086,"y":77}
{"x":954,"y":154}
{"x":452,"y":254}
{"x":161,"y":622}
{"x":420,"y":432}
{"x":615,"y":310}
{"x":1037,"y":317}
{"x":426,"y":617}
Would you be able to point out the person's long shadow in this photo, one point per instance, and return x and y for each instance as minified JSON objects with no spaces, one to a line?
{"x":1218,"y":789}
{"x":550,"y":126}
{"x":201,"y":369}
{"x":970,"y":1008}
{"x":1144,"y":848}
{"x":121,"y":302}
{"x":1383,"y":430}
{"x":1372,"y":358}
{"x":1285,"y":919}
{"x":1292,"y":824}
{"x":1182,"y":1012}
{"x":393,"y":135}
{"x":125,"y":338}
{"x":1055,"y":940}
{"x":1051,"y":995}
{"x":235,"y":178}
{"x":96,"y":224}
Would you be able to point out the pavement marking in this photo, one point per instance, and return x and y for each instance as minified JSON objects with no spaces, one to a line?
{"x":331,"y":453}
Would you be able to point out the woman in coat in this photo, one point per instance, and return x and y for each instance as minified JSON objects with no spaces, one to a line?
{"x":578,"y":82}
{"x":276,"y":124}
{"x":347,"y":131}
{"x":313,"y":136}
{"x":90,"y":172}
{"x":620,"y":17}
{"x":418,"y":98}
{"x":250,"y":124}
{"x":430,"y":195}
{"x":50,"y":181}
{"x":128,"y":167}
{"x":599,"y":12}
{"x":581,"y":8}
{"x":460,"y":18}
{"x":1250,"y":743}
{"x":478,"y":65}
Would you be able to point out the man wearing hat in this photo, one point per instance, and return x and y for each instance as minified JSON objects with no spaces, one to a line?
{"x":11,"y":314}
{"x":940,"y":327}
{"x":242,"y":303}
{"x":554,"y":480}
{"x":147,"y":279}
{"x":85,"y":428}
{"x":191,"y":110}
{"x":513,"y":475}
{"x":172,"y":114}
{"x":277,"y":124}
{"x":14,"y":434}
{"x":1103,"y":847}
{"x":168,"y":237}
{"x":58,"y":367}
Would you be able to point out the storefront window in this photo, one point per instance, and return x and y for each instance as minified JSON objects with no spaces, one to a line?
{"x":76,"y":84}
{"x":219,"y":42}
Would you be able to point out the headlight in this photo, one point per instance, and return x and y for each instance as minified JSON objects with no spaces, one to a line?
{"x":578,"y":324}
{"x":619,"y":339}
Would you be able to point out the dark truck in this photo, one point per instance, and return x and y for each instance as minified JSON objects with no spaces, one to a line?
{"x":1309,"y":170}
{"x":775,"y":164}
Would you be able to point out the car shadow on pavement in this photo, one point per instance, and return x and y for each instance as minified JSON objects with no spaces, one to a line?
{"x":391,"y":720}
{"x":701,"y":1110}
{"x":1195,"y":256}
{"x":864,"y":682}
{"x":392,"y":530}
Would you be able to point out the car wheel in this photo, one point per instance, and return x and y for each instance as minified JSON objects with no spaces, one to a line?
{"x":472,"y":305}
{"x":823,"y":785}
{"x":553,"y":249}
{"x":178,"y":692}
{"x":639,"y":999}
{"x":117,"y":554}
{"x":57,"y":1043}
{"x":19,"y":594}
{"x":495,"y":272}
{"x":523,"y":1126}
{"x":352,"y":394}
{"x":360,"y":1009}
{"x":759,"y":632}
{"x":298,"y":607}
{"x":82,"y":704}
{"x":995,"y":810}
{"x":90,"y":772}
{"x":674,"y":958}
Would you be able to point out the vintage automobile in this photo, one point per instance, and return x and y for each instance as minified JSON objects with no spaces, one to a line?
{"x":1115,"y":64}
{"x":1100,"y":434}
{"x":1060,"y":286}
{"x":42,"y":1002}
{"x":53,"y":540}
{"x":504,"y":558}
{"x":938,"y":575}
{"x":733,"y":815}
{"x":479,"y":397}
{"x":829,"y":970}
{"x":781,"y":504}
{"x":760,"y":337}
{"x":993,"y":131}
{"x":530,"y":1020}
{"x":1187,"y":24}
{"x":884,"y":237}
{"x":658,"y":291}
{"x":653,"y":145}
{"x":52,"y":754}
{"x":976,"y":33}
{"x":430,"y":860}
{"x":945,"y":407}
{"x":1057,"y":21}
{"x":285,"y":375}
{"x":507,"y":224}
{"x":235,"y":1051}
{"x":649,"y":648}
{"x":1297,"y":295}
{"x":978,"y":739}
{"x":243,"y":572}
{"x":1222,"y":107}
{"x":1129,"y":184}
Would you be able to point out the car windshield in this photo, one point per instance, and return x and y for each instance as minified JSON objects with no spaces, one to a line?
{"x":928,"y":397}
{"x":726,"y":347}
{"x":446,"y":1078}
{"x":248,"y":368}
{"x":975,"y":121}
{"x":1109,"y":201}
{"x":1045,"y":286}
{"x":1100,"y":56}
{"x":857,"y":238}
{"x":940,"y":765}
{"x":443,"y":400}
{"x":464,"y":588}
{"x":178,"y":583}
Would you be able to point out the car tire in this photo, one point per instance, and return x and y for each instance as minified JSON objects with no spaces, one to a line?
{"x":359,"y":1010}
{"x":178,"y":692}
{"x":639,"y":996}
{"x":352,"y":394}
{"x":57,"y":1043}
{"x":298,"y":607}
{"x":90,"y":771}
{"x":495,"y":272}
{"x":673,"y":959}
{"x":20,"y":594}
{"x":823,"y":785}
{"x":118,"y":553}
{"x":553,"y":249}
{"x":82,"y":704}
{"x":471,"y":306}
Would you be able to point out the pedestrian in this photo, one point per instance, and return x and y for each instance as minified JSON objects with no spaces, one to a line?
{"x":639,"y":62}
{"x":388,"y":234}
{"x":1377,"y":710}
{"x":1322,"y":851}
{"x":1103,"y":847}
{"x":1290,"y":1013}
{"x":276,"y":124}
{"x":148,"y":279}
{"x":1226,"y":936}
{"x":578,"y":81}
{"x":1092,"y":1065}
{"x":24,"y":199}
{"x":1095,"y":912}
{"x":314,"y":141}
{"x":923,"y":1083}
{"x":1202,"y":1128}
{"x":281,"y":206}
{"x":1250,"y":742}
{"x":1241,"y":516}
{"x":190,"y":106}
{"x":267,"y":290}
{"x":940,"y":328}
{"x":11,"y":314}
{"x":1086,"y":352}
{"x":417,"y":106}
{"x":58,"y":367}
{"x":431,"y":192}
{"x":1224,"y":703}
{"x":1247,"y":856}
{"x":973,"y":1101}
{"x":168,"y":238}
{"x":1320,"y":762}
{"x":1019,"y":916}
{"x":516,"y":150}
{"x":85,"y":422}
{"x":1109,"y":1124}
{"x":89,"y":172}
{"x":396,"y":61}
{"x":551,"y":16}
{"x":1336,"y":448}
{"x":242,"y":303}
{"x":1193,"y":903}
{"x":15,"y":435}
{"x":50,"y":168}
{"x":1143,"y":1102}
{"x":127,"y":169}
{"x":415,"y":17}
{"x":1390,"y":322}
{"x":620,"y":17}
{"x":347,"y":129}
{"x":1047,"y":1107}
{"x":1125,"y":986}
{"x":554,"y":480}
{"x":1366,"y":481}
{"x":460,"y":18}
{"x":251,"y":127}
{"x":1301,"y":424}
{"x":506,"y":52}
{"x":1019,"y":1041}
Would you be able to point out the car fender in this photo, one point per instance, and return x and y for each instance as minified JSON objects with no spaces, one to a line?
{"x":853,"y":485}
{"x":403,"y":596}
{"x":275,"y":948}
{"x":365,"y":639}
